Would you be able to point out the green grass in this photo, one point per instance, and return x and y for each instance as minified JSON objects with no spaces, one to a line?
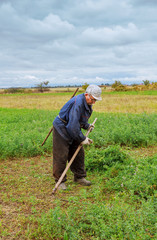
{"x":114,"y":220}
{"x":120,"y":203}
{"x":23,"y":131}
{"x":133,"y":130}
{"x":69,"y":93}
{"x":145,"y":92}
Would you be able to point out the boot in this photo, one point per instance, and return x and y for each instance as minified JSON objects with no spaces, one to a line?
{"x":62,"y":186}
{"x":82,"y":181}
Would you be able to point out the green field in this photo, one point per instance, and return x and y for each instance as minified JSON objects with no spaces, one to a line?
{"x":121,"y":163}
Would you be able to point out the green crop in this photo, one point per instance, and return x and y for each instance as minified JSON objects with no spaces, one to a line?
{"x":133,"y":130}
{"x":22,"y":131}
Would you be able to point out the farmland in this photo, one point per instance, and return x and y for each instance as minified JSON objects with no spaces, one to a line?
{"x":121,"y":163}
{"x":137,"y":102}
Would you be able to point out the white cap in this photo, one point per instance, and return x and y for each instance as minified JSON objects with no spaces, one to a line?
{"x":95,"y":91}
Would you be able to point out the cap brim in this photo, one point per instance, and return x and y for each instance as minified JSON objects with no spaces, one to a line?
{"x":98,"y":99}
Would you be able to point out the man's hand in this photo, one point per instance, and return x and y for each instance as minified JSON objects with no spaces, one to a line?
{"x":91,"y":127}
{"x":87,"y":141}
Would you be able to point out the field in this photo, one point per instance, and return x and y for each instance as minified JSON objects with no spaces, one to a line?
{"x":126,"y":102}
{"x":120,"y":204}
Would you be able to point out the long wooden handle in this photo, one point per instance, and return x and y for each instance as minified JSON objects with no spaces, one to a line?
{"x":52,"y":127}
{"x":70,"y":162}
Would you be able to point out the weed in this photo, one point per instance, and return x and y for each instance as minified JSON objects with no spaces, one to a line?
{"x":117,"y":220}
{"x":101,"y":159}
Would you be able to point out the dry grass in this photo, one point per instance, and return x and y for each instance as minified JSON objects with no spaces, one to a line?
{"x":50,"y":102}
{"x":110,"y":103}
{"x":127,"y":104}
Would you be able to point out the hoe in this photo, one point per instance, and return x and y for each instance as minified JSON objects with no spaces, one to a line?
{"x":52,"y":127}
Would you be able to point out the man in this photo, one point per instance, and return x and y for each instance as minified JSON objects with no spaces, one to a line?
{"x":67,"y":135}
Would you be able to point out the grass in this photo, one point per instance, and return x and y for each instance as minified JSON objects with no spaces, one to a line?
{"x":101,"y":211}
{"x":120,"y":203}
{"x":112,"y":102}
{"x":145,"y":92}
{"x":23,"y":131}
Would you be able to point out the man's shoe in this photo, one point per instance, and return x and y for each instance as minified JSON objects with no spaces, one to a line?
{"x":82,"y":181}
{"x":62,"y":186}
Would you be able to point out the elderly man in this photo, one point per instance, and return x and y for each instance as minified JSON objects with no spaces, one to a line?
{"x":67,"y":135}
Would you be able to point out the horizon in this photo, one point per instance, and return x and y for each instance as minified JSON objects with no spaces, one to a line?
{"x":76,"y":85}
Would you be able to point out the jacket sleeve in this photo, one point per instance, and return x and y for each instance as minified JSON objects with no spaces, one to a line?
{"x":85,"y":126}
{"x":73,"y":126}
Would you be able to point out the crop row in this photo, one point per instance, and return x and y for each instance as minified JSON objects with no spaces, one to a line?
{"x":23,"y":130}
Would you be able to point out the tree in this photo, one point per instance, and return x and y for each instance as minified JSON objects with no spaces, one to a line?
{"x":146,"y":82}
{"x":116,"y":84}
{"x":46,"y":83}
{"x":84,"y":87}
{"x":41,"y":86}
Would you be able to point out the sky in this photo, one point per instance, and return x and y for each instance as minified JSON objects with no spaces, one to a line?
{"x":73,"y":42}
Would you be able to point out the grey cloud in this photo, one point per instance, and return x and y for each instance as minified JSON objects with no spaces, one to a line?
{"x":143,"y":2}
{"x":96,"y":14}
{"x":23,"y":39}
{"x":51,"y":25}
{"x":79,"y":12}
{"x":111,"y":36}
{"x":8,"y":18}
{"x":82,"y":40}
{"x":50,"y":28}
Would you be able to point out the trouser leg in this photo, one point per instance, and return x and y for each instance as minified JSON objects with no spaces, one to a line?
{"x":60,"y":155}
{"x":77,"y":167}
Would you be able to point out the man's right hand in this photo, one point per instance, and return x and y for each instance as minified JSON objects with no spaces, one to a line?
{"x":87,"y":141}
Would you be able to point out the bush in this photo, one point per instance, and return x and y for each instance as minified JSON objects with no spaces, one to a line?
{"x":14,"y":90}
{"x":121,"y":88}
{"x":153,"y":86}
{"x":101,"y":159}
{"x":116,"y":84}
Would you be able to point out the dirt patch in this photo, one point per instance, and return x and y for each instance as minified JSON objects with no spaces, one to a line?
{"x":143,"y":152}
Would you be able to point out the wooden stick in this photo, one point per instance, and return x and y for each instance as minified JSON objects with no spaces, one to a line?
{"x":52,"y":127}
{"x":70,"y":162}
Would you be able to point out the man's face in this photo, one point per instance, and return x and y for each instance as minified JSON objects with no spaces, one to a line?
{"x":89,"y":99}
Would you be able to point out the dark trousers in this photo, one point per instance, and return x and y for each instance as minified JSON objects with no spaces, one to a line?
{"x":63,"y":152}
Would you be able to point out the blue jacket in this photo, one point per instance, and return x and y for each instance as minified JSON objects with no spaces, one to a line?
{"x":72,"y":117}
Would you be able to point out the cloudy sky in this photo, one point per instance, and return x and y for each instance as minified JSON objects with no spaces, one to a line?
{"x":70,"y":42}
